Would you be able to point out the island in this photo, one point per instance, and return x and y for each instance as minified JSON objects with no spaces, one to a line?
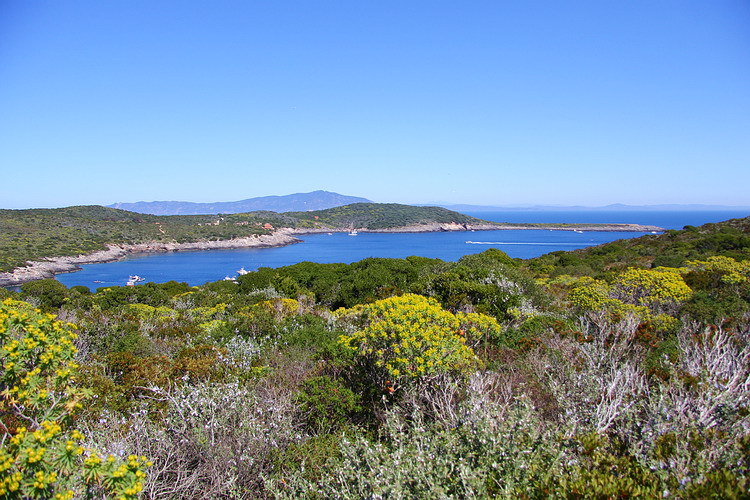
{"x":40,"y":243}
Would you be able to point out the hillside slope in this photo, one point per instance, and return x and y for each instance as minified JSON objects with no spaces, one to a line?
{"x":672,"y":249}
{"x":37,"y":234}
{"x":375,"y":216}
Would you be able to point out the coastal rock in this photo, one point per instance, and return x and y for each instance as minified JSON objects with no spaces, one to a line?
{"x":434,"y":228}
{"x":453,"y":226}
{"x":48,"y":268}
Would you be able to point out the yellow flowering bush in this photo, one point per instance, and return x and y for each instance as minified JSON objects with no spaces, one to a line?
{"x":42,"y":454}
{"x":596,"y":299}
{"x":479,"y":329}
{"x":205,"y":314}
{"x":278,"y":308}
{"x":410,"y":338}
{"x":160,"y":314}
{"x":724,"y":270}
{"x":208,"y":319}
{"x":646,"y":293}
{"x":659,"y":289}
{"x":590,"y":294}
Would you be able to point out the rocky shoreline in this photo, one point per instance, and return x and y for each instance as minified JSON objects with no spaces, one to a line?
{"x":453,"y":226}
{"x":431,"y":228}
{"x":52,"y":266}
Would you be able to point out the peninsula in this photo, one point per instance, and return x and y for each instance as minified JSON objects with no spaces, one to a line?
{"x":40,"y":243}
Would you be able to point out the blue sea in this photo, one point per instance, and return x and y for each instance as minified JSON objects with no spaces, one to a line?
{"x":200,"y":267}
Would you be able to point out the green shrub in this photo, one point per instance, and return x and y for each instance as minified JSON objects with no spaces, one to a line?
{"x":325,"y":404}
{"x":50,"y":293}
{"x":493,"y":453}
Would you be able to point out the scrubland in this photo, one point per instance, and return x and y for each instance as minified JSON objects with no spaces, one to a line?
{"x":619,"y":371}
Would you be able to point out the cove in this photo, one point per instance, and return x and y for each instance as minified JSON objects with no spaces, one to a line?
{"x":197,"y":268}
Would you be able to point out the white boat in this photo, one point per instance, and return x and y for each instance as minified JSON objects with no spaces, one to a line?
{"x":242,"y":271}
{"x":353,"y":232}
{"x":132,"y":280}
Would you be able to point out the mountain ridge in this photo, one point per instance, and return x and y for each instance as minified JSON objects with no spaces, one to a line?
{"x":296,"y":202}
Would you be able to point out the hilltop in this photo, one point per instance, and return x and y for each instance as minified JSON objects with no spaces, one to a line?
{"x":393,"y":217}
{"x":385,"y":216}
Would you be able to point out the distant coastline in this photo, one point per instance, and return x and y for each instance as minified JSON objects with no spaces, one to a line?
{"x":52,"y":266}
{"x":423,"y":228}
{"x":615,"y":207}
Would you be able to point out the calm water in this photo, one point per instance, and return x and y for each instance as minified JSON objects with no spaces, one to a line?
{"x":666,"y":219}
{"x":197,"y":268}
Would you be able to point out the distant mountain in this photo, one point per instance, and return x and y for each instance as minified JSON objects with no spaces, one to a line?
{"x":298,"y":202}
{"x":611,"y":208}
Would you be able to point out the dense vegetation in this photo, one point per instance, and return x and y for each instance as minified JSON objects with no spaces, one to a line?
{"x":620,"y":371}
{"x":383,"y":216}
{"x":672,"y":249}
{"x":38,"y":233}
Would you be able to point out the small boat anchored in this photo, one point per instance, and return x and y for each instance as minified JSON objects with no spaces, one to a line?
{"x":133,"y":279}
{"x":353,"y":232}
{"x":240,"y":272}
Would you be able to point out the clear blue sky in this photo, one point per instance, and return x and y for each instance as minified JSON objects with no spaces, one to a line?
{"x":486,"y":102}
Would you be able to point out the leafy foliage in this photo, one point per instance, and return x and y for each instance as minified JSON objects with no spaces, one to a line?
{"x":42,"y":454}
